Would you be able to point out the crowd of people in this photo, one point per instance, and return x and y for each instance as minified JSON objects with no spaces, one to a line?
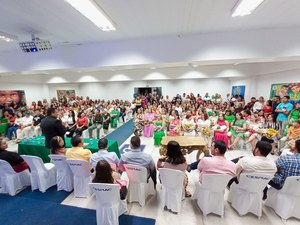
{"x":214,"y":118}
{"x":222,"y":122}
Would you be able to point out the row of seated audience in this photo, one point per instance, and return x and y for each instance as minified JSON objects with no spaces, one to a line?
{"x":285,"y":166}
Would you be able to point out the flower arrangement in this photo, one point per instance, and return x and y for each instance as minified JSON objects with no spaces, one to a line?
{"x":206,"y":131}
{"x":271,"y":133}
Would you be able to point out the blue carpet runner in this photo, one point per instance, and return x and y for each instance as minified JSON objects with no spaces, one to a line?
{"x":121,"y":133}
{"x":51,"y":195}
{"x":19,"y":210}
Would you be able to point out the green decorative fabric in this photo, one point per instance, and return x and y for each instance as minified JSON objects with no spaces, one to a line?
{"x":114,"y":118}
{"x":36,"y":147}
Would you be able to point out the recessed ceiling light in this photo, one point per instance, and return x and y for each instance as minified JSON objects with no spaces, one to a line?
{"x":245,"y":7}
{"x":194,"y":65}
{"x":153,"y":68}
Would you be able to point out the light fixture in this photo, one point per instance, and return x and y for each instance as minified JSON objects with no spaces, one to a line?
{"x":153,"y":68}
{"x":245,"y":7}
{"x":194,"y":65}
{"x":94,"y":13}
{"x":7,"y":37}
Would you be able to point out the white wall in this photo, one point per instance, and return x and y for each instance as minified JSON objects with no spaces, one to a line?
{"x":33,"y":92}
{"x":124,"y":90}
{"x":261,"y":85}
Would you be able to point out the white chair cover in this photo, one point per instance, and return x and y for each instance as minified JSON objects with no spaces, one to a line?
{"x":82,"y":177}
{"x":64,"y":177}
{"x":43,"y":175}
{"x":109,"y":206}
{"x":210,"y":193}
{"x":286,"y":202}
{"x":11,"y":181}
{"x":247,"y":195}
{"x":172,"y":188}
{"x":138,"y":189}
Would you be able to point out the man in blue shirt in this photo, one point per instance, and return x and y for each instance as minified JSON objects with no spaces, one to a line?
{"x":283,"y":110}
{"x":139,"y":158}
{"x":103,"y":154}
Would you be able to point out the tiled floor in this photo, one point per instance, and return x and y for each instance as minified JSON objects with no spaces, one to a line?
{"x":190,"y":214}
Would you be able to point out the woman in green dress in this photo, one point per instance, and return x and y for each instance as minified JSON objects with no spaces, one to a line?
{"x":114,"y":114}
{"x":158,"y":130}
{"x":238,"y":130}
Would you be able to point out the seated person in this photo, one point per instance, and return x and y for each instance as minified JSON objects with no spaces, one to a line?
{"x":137,"y":157}
{"x":288,"y":165}
{"x":258,"y":163}
{"x":16,"y":161}
{"x":217,"y":164}
{"x":26,"y":125}
{"x":293,"y":134}
{"x":175,"y":160}
{"x":104,"y":174}
{"x":103,"y":154}
{"x":57,"y":146}
{"x":77,"y":151}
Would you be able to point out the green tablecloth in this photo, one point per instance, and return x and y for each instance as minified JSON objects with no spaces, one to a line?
{"x":36,"y":147}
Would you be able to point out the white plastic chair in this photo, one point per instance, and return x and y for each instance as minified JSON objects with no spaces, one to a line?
{"x":109,"y":206}
{"x":11,"y":181}
{"x":172,"y":188}
{"x":82,"y":177}
{"x":286,"y":202}
{"x":247,"y":195}
{"x":210,"y":193}
{"x":43,"y":175}
{"x":138,"y":189}
{"x":64,"y":177}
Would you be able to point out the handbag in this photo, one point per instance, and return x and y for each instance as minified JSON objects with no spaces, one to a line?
{"x":123,"y":188}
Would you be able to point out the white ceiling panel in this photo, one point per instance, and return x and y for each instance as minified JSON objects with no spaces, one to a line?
{"x":61,"y":24}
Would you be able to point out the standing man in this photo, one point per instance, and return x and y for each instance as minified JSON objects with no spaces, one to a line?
{"x":283,"y":110}
{"x":276,"y":102}
{"x":51,"y":126}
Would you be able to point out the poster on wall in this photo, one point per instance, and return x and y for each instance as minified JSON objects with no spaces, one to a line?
{"x":238,"y":90}
{"x":10,"y":96}
{"x":290,"y":89}
{"x":65,"y":94}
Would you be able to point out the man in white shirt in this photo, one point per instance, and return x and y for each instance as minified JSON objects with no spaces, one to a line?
{"x":259,"y":163}
{"x":103,"y":154}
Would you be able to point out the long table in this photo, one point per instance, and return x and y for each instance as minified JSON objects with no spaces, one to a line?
{"x":36,"y":146}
